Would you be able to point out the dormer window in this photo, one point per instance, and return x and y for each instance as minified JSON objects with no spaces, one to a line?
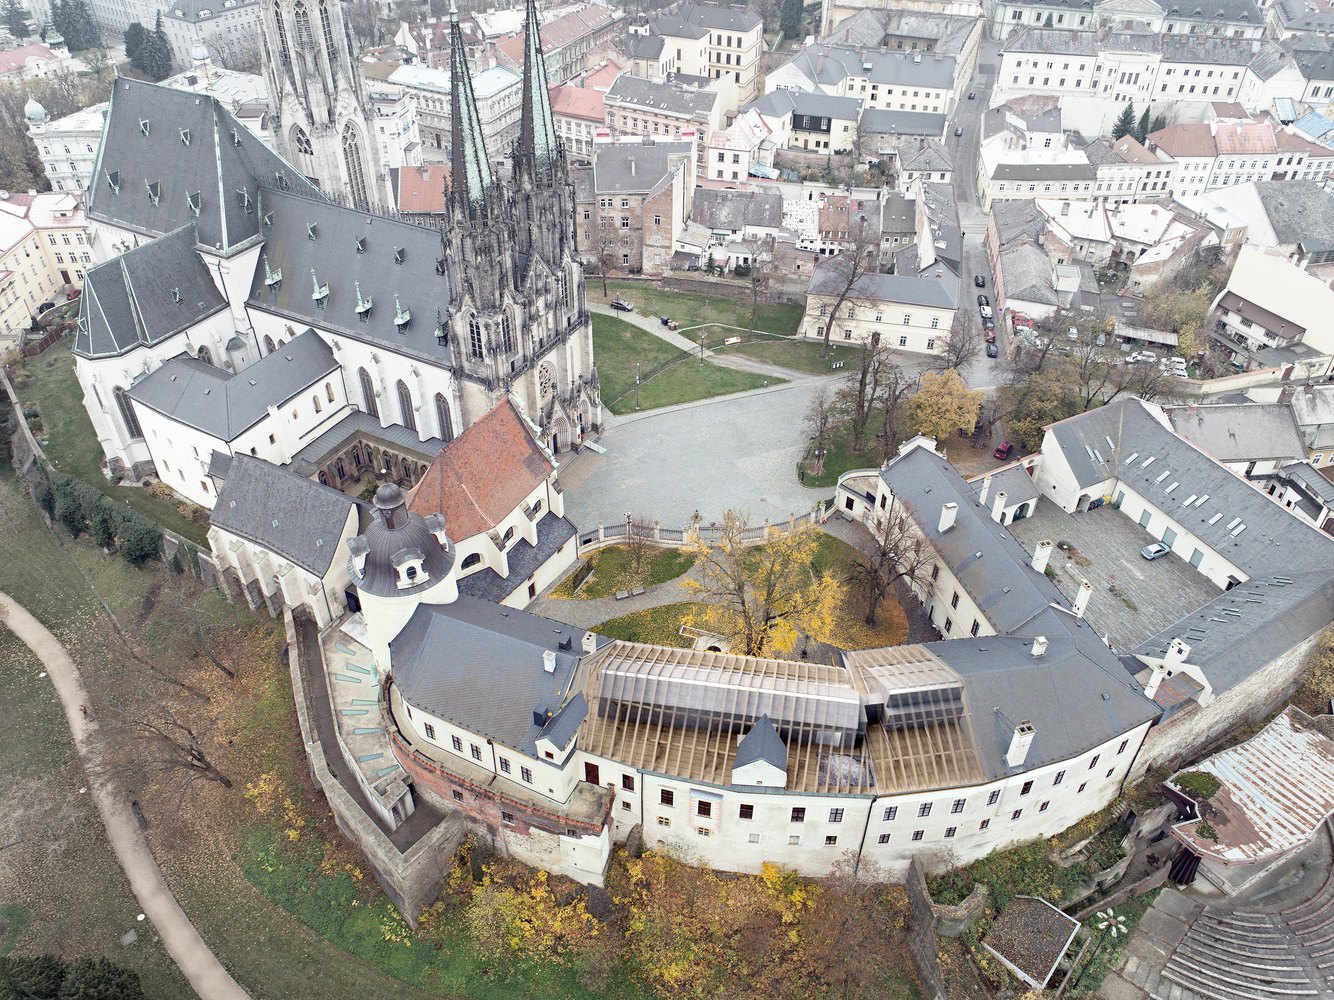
{"x":410,"y":569}
{"x":196,"y":202}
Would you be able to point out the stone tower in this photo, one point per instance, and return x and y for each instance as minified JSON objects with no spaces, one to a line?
{"x":518,"y":322}
{"x":319,"y":112}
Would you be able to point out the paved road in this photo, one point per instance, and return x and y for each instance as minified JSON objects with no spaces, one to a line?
{"x":209,"y":979}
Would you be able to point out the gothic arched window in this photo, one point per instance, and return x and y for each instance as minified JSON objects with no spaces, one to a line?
{"x":205,"y":355}
{"x":356,"y":179}
{"x":328,"y":391}
{"x":506,"y":335}
{"x":268,"y":344}
{"x":368,"y":392}
{"x":316,"y":400}
{"x":474,"y":337}
{"x":301,"y":141}
{"x":407,"y":470}
{"x":405,"y":408}
{"x":329,"y":48}
{"x":565,"y":290}
{"x":127,"y":413}
{"x":304,"y":39}
{"x":442,"y":418}
{"x":282,"y":31}
{"x":324,"y":478}
{"x":342,"y":473}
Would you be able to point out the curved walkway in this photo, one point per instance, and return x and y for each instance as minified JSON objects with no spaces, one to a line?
{"x":205,"y":973}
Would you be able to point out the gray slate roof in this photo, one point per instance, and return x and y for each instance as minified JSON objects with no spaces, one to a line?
{"x":638,"y":167}
{"x":930,"y":156}
{"x":800,"y":102}
{"x":932,"y":292}
{"x":914,"y":69}
{"x":1244,"y":432}
{"x":883,"y":121}
{"x":1300,"y":212}
{"x":296,"y":519}
{"x":1273,"y":539}
{"x":1211,"y":49}
{"x":223,"y":404}
{"x":1027,"y":272}
{"x":222,"y":159}
{"x":1013,"y":481}
{"x":735,"y":210}
{"x":479,"y":665}
{"x":1045,"y":173}
{"x":761,"y":743}
{"x":1048,"y":40}
{"x":1214,"y":11}
{"x":524,"y":561}
{"x":668,"y":97}
{"x":986,"y":559}
{"x":131,"y":300}
{"x":1076,"y":695}
{"x":644,"y":46}
{"x":1017,"y":221}
{"x":333,"y":256}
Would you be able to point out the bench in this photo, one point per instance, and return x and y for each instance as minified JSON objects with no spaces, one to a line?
{"x":622,"y":594}
{"x":636,"y":591}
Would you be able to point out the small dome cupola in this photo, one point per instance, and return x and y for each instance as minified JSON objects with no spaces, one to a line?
{"x":33,"y":111}
{"x":398,"y":552}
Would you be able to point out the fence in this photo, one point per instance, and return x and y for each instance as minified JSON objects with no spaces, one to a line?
{"x":34,"y":348}
{"x":691,"y":535}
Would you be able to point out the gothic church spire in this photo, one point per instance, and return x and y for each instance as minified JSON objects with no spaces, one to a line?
{"x":470,"y":171}
{"x":538,"y":146}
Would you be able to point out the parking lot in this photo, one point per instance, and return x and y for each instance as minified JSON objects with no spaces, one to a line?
{"x":1133,"y":598}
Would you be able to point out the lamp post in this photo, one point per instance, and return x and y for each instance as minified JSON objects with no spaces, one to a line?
{"x":1108,"y":923}
{"x":636,"y":385}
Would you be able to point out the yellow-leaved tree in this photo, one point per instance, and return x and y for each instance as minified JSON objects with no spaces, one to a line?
{"x":944,"y":404}
{"x":761,"y":598}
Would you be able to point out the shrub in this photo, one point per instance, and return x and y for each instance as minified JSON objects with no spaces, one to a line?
{"x":140,"y":540}
{"x":193,"y":512}
{"x":1208,"y":832}
{"x":89,"y":979}
{"x":176,"y":566}
{"x":103,"y":527}
{"x":37,"y":977}
{"x":45,"y":497}
{"x":1199,"y":785}
{"x":160,"y":491}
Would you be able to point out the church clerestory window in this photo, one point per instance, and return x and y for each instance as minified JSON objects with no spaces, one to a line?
{"x":356,"y":178}
{"x":368,"y":392}
{"x":506,"y":332}
{"x":405,"y":406}
{"x":127,"y":413}
{"x":282,"y":31}
{"x":474,"y":337}
{"x":442,"y":418}
{"x":304,"y":39}
{"x":329,"y":48}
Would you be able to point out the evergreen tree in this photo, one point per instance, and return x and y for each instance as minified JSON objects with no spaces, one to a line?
{"x":1159,"y":123}
{"x":789,"y":22}
{"x":36,"y":977}
{"x":1047,"y":23}
{"x":90,"y":35}
{"x":153,"y":57}
{"x":86,"y":979}
{"x":1142,"y":129}
{"x":134,"y":37}
{"x":16,"y":20}
{"x":1125,"y":125}
{"x":140,"y":539}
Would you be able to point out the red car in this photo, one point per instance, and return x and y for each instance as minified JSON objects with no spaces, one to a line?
{"x":991,"y":336}
{"x":1003,"y":450}
{"x":73,"y":294}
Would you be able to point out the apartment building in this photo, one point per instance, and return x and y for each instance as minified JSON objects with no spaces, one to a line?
{"x":905,"y":311}
{"x":1216,"y":18}
{"x":44,"y":251}
{"x":499,"y":103}
{"x":579,"y":114}
{"x":635,"y":107}
{"x":899,"y":81}
{"x":713,"y":42}
{"x":228,"y":29}
{"x":1127,"y":171}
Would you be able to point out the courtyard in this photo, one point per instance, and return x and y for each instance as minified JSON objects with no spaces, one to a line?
{"x":1133,"y":599}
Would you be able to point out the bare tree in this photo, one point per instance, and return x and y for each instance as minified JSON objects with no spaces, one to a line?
{"x":600,"y":240}
{"x":897,"y":551}
{"x":763,"y":268}
{"x":857,"y":398}
{"x":963,"y":343}
{"x":896,"y":386}
{"x":639,"y":543}
{"x":842,"y":942}
{"x":33,"y":816}
{"x":857,"y":259}
{"x":198,"y":622}
{"x":820,"y":413}
{"x":987,"y":418}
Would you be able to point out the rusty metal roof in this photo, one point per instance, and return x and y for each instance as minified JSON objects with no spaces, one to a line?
{"x":1276,"y":790}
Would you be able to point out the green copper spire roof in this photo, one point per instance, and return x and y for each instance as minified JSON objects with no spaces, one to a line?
{"x":538,"y":145}
{"x":470,"y":172}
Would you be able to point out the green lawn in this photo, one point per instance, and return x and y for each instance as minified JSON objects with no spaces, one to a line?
{"x":839,"y":459}
{"x":692,"y":310}
{"x":799,"y":355}
{"x":73,"y":443}
{"x":612,"y":571}
{"x":619,"y":347}
{"x":657,"y":626}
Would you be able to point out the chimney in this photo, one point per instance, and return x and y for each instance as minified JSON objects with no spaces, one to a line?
{"x":998,"y":505}
{"x":1041,"y":555}
{"x":590,"y":643}
{"x":1177,"y":651}
{"x":1039,"y":645}
{"x":1082,"y":598}
{"x":632,"y":166}
{"x":986,"y":488}
{"x":1019,"y":744}
{"x":540,"y":715}
{"x":549,"y":660}
{"x":948,"y":512}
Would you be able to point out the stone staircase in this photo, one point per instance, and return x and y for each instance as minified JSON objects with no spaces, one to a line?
{"x":1187,"y":950}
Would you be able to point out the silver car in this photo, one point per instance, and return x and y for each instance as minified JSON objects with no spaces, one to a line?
{"x":1155,"y":551}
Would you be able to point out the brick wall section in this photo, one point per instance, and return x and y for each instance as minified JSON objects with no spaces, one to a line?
{"x":1184,"y":735}
{"x":659,"y":204}
{"x":923,"y":944}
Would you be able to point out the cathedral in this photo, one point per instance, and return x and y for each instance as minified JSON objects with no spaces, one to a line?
{"x":217,"y":256}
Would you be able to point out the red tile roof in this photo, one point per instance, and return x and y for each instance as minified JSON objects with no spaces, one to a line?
{"x":1185,"y":140}
{"x":479,"y":478}
{"x":422,"y":189}
{"x":577,"y":102}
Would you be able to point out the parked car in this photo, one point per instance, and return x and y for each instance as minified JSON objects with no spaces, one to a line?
{"x":1003,"y":450}
{"x":991,"y":349}
{"x":73,"y":294}
{"x":991,"y":336}
{"x":45,"y":306}
{"x":979,"y":281}
{"x":622,"y":306}
{"x":1155,"y":551}
{"x":958,"y":131}
{"x":972,"y":94}
{"x":985,"y":311}
{"x":982,"y":300}
{"x":988,"y":323}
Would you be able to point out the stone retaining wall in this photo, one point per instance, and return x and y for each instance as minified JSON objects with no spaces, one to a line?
{"x":923,"y":944}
